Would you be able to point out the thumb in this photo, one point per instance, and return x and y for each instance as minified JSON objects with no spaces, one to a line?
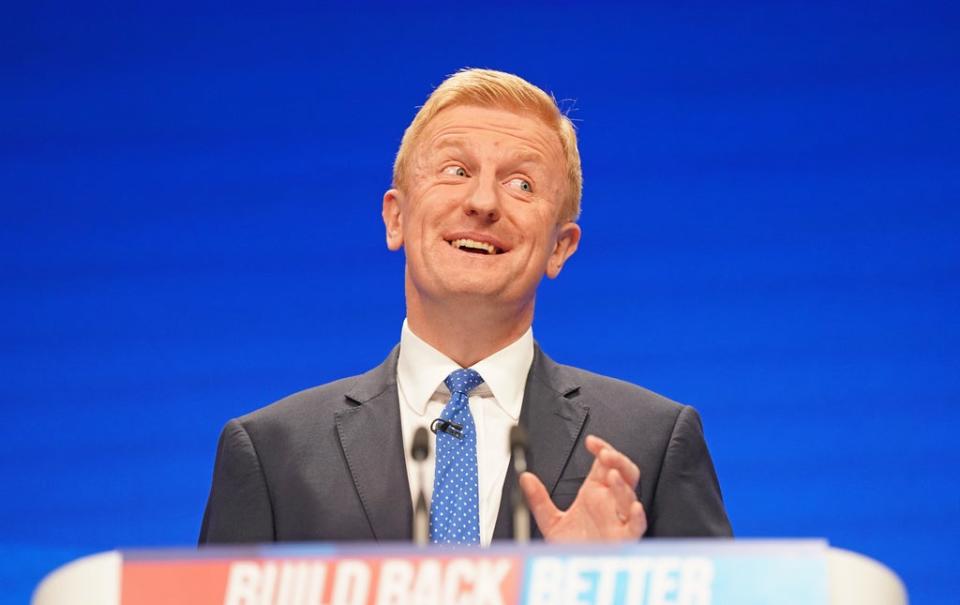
{"x":542,"y":508}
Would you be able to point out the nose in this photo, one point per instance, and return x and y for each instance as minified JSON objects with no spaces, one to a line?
{"x":484,"y":201}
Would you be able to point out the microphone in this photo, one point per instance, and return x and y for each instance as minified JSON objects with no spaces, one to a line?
{"x":447,"y":426}
{"x":421,"y":512}
{"x":521,"y":512}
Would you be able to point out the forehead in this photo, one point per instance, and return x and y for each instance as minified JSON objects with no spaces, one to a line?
{"x":465,"y":126}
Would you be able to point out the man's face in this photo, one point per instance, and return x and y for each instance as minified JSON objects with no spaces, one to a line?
{"x":478,"y":218}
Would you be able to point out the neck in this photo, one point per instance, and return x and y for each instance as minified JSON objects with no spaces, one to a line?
{"x":467,"y":330}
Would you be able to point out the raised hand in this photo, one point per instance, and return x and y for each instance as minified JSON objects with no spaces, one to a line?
{"x":606,"y":508}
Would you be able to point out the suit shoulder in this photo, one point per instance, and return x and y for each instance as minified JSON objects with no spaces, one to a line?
{"x":302,"y":405}
{"x":322,"y":395}
{"x":330,"y":397}
{"x":599,"y":389}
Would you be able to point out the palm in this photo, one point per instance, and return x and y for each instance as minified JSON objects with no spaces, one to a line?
{"x":605,"y":509}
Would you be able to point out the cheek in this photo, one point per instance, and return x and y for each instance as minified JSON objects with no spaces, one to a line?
{"x":542,"y":227}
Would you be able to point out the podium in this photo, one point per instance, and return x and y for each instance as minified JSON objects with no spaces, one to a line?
{"x":651,"y":572}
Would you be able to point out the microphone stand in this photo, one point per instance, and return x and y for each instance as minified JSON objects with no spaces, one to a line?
{"x":421,"y":512}
{"x":521,"y":512}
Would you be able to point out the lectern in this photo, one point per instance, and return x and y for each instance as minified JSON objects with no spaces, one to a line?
{"x":652,"y":572}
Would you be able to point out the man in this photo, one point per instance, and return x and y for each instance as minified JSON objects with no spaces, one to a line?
{"x":486,"y":190}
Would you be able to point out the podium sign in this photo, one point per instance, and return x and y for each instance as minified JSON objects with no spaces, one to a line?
{"x":667,"y":572}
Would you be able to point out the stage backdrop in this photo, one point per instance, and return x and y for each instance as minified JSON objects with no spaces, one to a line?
{"x":190,"y":230}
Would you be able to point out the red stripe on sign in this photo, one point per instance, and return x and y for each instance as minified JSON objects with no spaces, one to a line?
{"x":476,"y":580}
{"x":167,"y":582}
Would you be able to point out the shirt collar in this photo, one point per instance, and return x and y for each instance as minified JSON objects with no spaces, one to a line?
{"x":421,"y":370}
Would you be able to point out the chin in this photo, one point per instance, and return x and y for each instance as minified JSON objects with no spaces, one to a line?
{"x":479,"y":289}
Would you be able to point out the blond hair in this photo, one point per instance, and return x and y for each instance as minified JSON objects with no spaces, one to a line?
{"x":501,"y":90}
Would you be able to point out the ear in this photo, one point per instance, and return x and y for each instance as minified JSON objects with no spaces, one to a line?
{"x":393,"y":219}
{"x":568,"y":238}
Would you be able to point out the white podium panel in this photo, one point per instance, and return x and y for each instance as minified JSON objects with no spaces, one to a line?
{"x":653,"y":572}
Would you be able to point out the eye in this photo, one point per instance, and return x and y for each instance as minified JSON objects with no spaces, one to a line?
{"x":521,"y":184}
{"x":454,"y":170}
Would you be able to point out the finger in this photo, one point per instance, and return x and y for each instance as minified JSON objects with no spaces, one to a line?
{"x":598,"y":471}
{"x":595,"y":444}
{"x":610,"y":457}
{"x":630,"y":472}
{"x":637,"y":522}
{"x":543,"y":510}
{"x":622,"y":495}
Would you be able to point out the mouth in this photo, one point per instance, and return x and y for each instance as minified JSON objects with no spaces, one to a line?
{"x":474,"y":246}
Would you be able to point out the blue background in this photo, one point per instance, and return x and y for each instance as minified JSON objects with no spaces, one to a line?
{"x":190,"y":230}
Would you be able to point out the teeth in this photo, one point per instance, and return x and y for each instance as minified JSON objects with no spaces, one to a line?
{"x":469,"y":243}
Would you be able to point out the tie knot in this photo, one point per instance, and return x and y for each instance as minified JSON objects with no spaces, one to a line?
{"x":463,"y":381}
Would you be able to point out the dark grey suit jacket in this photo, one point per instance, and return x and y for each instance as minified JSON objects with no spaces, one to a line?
{"x":328,"y":463}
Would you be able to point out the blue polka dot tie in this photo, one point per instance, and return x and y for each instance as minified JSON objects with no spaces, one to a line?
{"x":454,"y":512}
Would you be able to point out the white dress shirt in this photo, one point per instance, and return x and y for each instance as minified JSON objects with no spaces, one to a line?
{"x":495,"y":406}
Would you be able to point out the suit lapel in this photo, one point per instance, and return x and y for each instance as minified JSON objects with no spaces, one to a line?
{"x":370,"y":435}
{"x":553,"y":423}
{"x":372,"y":443}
